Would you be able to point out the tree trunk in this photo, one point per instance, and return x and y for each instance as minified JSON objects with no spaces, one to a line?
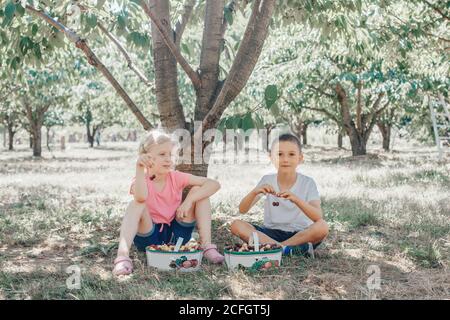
{"x":358,"y":143}
{"x":37,"y":140}
{"x":385,"y":130}
{"x":340,"y":140}
{"x":304,"y":134}
{"x":48,"y":138}
{"x":166,"y":86}
{"x":35,"y":121}
{"x":4,"y":138}
{"x":197,"y":168}
{"x":90,"y":137}
{"x":63,"y":143}
{"x":11,"y":134}
{"x":209,"y":58}
{"x":358,"y":140}
{"x":91,"y":134}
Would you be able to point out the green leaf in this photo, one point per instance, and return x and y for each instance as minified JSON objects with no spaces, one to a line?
{"x":25,"y":44}
{"x":91,"y":20}
{"x":9,"y":10}
{"x":185,"y":49}
{"x":258,"y":121}
{"x":247,"y":122}
{"x":221,"y":125}
{"x":236,"y":122}
{"x":14,"y":62}
{"x":34,"y":29}
{"x":20,"y":10}
{"x":3,"y":38}
{"x":9,"y":13}
{"x":300,"y":86}
{"x":122,"y":22}
{"x":228,"y":15}
{"x":270,"y":95}
{"x":37,"y":51}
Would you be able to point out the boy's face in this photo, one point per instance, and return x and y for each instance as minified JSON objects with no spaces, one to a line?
{"x":286,"y":156}
{"x":163,"y":156}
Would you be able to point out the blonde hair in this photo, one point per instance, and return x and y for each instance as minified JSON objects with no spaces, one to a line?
{"x":154,"y":137}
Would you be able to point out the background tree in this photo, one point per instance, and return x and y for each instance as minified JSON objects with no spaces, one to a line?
{"x":131,"y":20}
{"x":42,"y":90}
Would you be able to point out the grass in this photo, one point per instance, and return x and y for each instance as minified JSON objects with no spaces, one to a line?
{"x":386,"y":209}
{"x":427,"y":255}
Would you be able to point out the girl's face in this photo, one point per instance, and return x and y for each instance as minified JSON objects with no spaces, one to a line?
{"x":286,"y":156}
{"x":163,"y":157}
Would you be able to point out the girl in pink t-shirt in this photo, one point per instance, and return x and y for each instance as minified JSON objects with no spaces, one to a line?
{"x":157,"y":214}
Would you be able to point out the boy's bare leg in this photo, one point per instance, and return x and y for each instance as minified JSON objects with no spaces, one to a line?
{"x":244,"y":230}
{"x":136,"y":219}
{"x":314,"y":234}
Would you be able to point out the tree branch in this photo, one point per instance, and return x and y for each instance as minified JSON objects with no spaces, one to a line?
{"x":373,"y":116}
{"x":343,"y":102}
{"x":359,"y":107}
{"x":210,"y":57}
{"x":11,"y":90}
{"x":437,"y":10}
{"x":245,"y":60}
{"x":28,"y":113}
{"x":125,"y":54}
{"x":326,"y":112}
{"x":181,"y":24}
{"x":321,"y":91}
{"x":94,"y":61}
{"x":168,"y":40}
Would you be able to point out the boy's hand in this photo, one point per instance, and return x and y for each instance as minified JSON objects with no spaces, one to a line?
{"x":144,"y":161}
{"x":265,"y":188}
{"x":287,"y":195}
{"x":183,"y":209}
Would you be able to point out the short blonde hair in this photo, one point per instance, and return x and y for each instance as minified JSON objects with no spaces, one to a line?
{"x":154,"y":137}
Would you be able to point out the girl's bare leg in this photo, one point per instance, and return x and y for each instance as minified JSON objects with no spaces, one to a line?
{"x":201,"y":212}
{"x":136,"y":220}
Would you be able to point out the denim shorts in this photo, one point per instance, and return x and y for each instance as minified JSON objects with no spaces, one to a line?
{"x":279,"y":235}
{"x":163,"y":233}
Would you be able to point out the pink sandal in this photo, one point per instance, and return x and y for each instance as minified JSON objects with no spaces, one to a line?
{"x":210,"y":252}
{"x":122,"y":266}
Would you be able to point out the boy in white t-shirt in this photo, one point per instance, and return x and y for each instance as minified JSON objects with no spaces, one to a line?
{"x":292,"y":213}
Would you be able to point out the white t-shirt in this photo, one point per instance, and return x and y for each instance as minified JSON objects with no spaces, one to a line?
{"x":288,"y":216}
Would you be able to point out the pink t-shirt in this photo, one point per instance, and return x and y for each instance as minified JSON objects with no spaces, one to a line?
{"x":162,"y":205}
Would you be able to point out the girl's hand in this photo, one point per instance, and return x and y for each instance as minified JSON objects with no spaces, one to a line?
{"x":266,"y":188}
{"x":287,"y":195}
{"x":183,"y":209}
{"x":145,"y":161}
